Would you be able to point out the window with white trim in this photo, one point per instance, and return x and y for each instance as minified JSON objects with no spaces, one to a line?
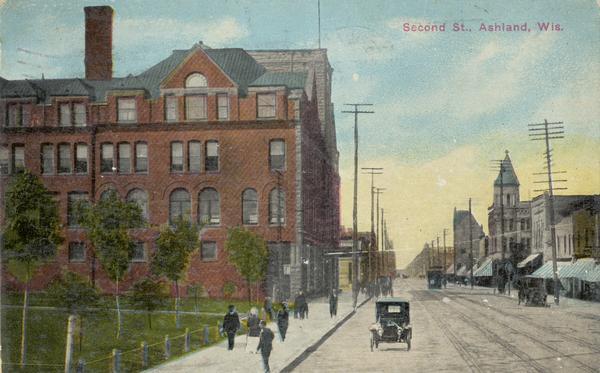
{"x":140,"y":197}
{"x":177,"y":156}
{"x":265,"y":103}
{"x":76,"y":252}
{"x":107,"y":157}
{"x":4,"y":160}
{"x":277,"y":206}
{"x":79,"y":115}
{"x":196,"y":80}
{"x":141,"y":157}
{"x":81,"y":158}
{"x":179,"y":205}
{"x":64,"y":158}
{"x":126,"y":110}
{"x":208,"y":251}
{"x":18,"y":160}
{"x":124,"y":158}
{"x":73,"y":200}
{"x":47,"y":159}
{"x":65,"y":114}
{"x":249,"y":207}
{"x":222,"y":106}
{"x":139,"y":252}
{"x":194,"y":156}
{"x":195,"y":107}
{"x":277,"y":155}
{"x":171,"y":108}
{"x":210,"y":207}
{"x":211,"y":162}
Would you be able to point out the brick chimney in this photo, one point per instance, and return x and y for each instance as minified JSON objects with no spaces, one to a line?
{"x":98,"y":42}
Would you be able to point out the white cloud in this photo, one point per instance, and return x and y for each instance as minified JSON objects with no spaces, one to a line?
{"x":170,"y":31}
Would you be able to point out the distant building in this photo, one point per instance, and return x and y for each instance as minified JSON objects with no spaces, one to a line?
{"x":463,"y":235}
{"x":509,"y":218}
{"x":576,"y":226}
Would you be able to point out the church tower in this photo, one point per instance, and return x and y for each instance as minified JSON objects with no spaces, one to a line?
{"x":510,"y":184}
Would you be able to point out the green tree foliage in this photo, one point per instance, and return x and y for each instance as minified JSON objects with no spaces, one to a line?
{"x":174,"y":246}
{"x":149,"y":294}
{"x":108,"y":223}
{"x":229,"y":289}
{"x":31,"y":234}
{"x":76,"y":294}
{"x":248,"y":252}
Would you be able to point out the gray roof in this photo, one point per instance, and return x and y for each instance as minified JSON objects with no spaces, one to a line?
{"x":292,"y":80}
{"x":508,"y":176}
{"x":236,"y":63}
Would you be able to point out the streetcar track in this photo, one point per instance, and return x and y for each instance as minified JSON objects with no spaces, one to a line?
{"x":495,"y":338}
{"x":580,"y":341}
{"x":536,"y":340}
{"x":459,"y":345}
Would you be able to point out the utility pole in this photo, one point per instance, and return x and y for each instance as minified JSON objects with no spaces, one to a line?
{"x":454,"y":243}
{"x":356,"y":111}
{"x":445,"y":268}
{"x":546,"y":132}
{"x":372,"y":171}
{"x":383,"y":261}
{"x":438,"y":252}
{"x":378,"y":191}
{"x":471,"y":242}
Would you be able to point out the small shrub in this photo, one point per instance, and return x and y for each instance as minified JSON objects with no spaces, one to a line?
{"x":229,"y":289}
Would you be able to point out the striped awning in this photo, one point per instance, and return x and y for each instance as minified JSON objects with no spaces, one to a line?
{"x":528,"y":260}
{"x":450,"y":270}
{"x":545,"y":271}
{"x":579,"y":269}
{"x":485,"y":269}
{"x":593,"y":275}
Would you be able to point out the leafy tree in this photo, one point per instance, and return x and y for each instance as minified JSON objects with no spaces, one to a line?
{"x":149,"y":294}
{"x":108,"y":223}
{"x":228,"y":289}
{"x":76,"y":294}
{"x":31,"y":234}
{"x":248,"y":252}
{"x":174,"y":247}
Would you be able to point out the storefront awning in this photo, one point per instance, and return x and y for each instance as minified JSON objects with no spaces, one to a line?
{"x":593,"y":275}
{"x":545,"y":271}
{"x":485,"y":269}
{"x":530,"y":259}
{"x":579,"y":269}
{"x":463,"y":271}
{"x":450,"y":270}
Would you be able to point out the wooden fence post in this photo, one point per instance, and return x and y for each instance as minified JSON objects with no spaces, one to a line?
{"x":116,"y":361}
{"x":218,"y":331}
{"x":144,"y":346}
{"x":167,"y":347}
{"x":186,"y":343}
{"x":69,"y":344}
{"x":206,"y":335}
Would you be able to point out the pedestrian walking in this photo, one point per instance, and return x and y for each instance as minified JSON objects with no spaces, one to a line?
{"x":283,"y":317}
{"x":301,"y":305}
{"x":333,"y":303}
{"x":253,"y":331}
{"x":231,"y":324}
{"x":265,"y":345}
{"x":268,"y":307}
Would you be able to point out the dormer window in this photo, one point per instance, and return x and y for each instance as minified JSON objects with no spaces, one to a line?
{"x":19,"y":115}
{"x":126,"y":110}
{"x":196,"y":80}
{"x":195,"y":107}
{"x":265,"y":103}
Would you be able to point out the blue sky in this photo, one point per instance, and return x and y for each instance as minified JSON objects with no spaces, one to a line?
{"x":445,"y":103}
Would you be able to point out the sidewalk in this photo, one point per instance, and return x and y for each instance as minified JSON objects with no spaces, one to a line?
{"x":301,"y":334}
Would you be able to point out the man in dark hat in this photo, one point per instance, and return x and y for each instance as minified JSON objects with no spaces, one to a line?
{"x":265,"y":345}
{"x":231,"y":324}
{"x":283,"y":317}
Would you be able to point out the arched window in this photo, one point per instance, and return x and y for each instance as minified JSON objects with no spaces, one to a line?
{"x":195,"y":80}
{"x":105,"y":194}
{"x":210,"y":207}
{"x":277,"y":206}
{"x":141,"y":198}
{"x":179,"y":205}
{"x":249,"y":207}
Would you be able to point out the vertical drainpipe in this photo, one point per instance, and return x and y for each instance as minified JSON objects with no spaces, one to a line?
{"x":93,"y":190}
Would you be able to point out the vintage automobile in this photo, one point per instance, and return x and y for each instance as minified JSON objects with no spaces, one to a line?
{"x":435,"y":277}
{"x":392,"y":323}
{"x":532,"y":291}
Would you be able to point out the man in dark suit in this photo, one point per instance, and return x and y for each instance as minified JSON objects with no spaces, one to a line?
{"x":231,"y":324}
{"x":265,"y":345}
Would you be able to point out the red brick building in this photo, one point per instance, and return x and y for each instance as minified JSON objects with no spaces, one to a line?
{"x":215,"y":135}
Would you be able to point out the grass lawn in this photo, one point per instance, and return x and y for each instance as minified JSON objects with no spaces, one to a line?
{"x":47,"y":334}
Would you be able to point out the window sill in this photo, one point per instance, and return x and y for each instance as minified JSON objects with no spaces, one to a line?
{"x":64,"y":173}
{"x":78,"y":261}
{"x":126,"y":121}
{"x":208,"y":260}
{"x":138,"y":261}
{"x":141,"y":172}
{"x":250,"y":224}
{"x":212,"y":172}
